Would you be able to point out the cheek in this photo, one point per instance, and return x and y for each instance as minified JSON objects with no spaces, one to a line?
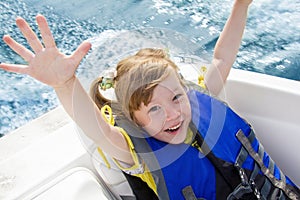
{"x":150,"y":124}
{"x":187,"y":112}
{"x":186,"y":107}
{"x":140,"y":118}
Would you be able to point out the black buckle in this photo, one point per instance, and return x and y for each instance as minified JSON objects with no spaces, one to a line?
{"x":255,"y":189}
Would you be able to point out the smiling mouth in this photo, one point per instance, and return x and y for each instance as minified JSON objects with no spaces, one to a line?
{"x":174,"y":128}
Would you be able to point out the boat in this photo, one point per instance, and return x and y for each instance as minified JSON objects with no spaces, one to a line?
{"x":50,"y":158}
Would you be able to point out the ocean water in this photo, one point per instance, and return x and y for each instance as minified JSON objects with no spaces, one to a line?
{"x":271,"y":43}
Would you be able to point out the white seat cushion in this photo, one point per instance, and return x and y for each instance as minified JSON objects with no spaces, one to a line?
{"x":75,"y":184}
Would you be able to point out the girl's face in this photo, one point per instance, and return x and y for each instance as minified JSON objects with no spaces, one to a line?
{"x":168,"y":114}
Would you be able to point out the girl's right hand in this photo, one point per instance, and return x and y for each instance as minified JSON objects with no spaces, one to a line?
{"x":45,"y":63}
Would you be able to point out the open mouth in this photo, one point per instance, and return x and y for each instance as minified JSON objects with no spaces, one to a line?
{"x":173,"y":129}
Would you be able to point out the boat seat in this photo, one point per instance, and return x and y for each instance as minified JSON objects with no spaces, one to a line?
{"x":75,"y":184}
{"x":113,"y":177}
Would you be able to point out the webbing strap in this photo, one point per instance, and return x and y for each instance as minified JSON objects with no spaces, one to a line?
{"x":256,"y":167}
{"x":277,"y":194}
{"x":243,"y":152}
{"x":251,"y":136}
{"x":281,"y":184}
{"x":246,"y":186}
{"x":254,"y":173}
{"x":265,"y":190}
{"x":271,"y":165}
{"x":241,"y":156}
{"x":128,"y":198}
{"x":240,"y":191}
{"x":188,"y":193}
{"x":281,"y":196}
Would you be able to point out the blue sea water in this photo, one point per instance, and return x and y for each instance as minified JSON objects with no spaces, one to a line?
{"x":271,"y":43}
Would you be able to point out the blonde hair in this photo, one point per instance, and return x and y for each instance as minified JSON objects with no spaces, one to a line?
{"x":136,"y":78}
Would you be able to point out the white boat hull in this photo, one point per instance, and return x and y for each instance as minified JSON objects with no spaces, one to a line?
{"x":47,"y":159}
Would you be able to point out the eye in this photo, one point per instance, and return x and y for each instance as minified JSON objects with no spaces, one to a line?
{"x":177,"y":97}
{"x":154,"y":108}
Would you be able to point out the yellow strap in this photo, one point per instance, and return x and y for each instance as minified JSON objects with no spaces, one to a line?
{"x":131,"y":149}
{"x":104,"y":158}
{"x":108,"y":117}
{"x":201,"y":82}
{"x":189,"y":137}
{"x":106,"y":110}
{"x":147,"y":177}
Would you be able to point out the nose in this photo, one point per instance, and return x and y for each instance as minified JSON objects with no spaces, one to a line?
{"x":172,"y":112}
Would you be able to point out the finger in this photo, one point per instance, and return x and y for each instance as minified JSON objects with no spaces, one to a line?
{"x":30,"y":36}
{"x":26,"y":54}
{"x":45,"y":31}
{"x":81,"y":51}
{"x":21,"y":69}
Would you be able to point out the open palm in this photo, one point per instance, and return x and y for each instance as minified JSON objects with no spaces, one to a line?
{"x":46,"y":63}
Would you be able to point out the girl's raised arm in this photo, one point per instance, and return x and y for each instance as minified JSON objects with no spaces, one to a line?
{"x":48,"y":65}
{"x":227,"y":47}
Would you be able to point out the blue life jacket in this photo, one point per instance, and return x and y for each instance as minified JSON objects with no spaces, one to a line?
{"x":232,"y":164}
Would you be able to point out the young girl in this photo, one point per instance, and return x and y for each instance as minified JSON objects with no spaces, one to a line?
{"x":158,"y":112}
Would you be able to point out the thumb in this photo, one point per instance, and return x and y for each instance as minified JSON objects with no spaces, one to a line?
{"x":81,"y":51}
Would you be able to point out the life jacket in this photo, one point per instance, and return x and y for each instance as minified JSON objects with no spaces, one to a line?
{"x":229,"y":163}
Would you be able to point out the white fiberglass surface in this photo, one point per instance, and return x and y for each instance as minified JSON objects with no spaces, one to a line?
{"x":75,"y":184}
